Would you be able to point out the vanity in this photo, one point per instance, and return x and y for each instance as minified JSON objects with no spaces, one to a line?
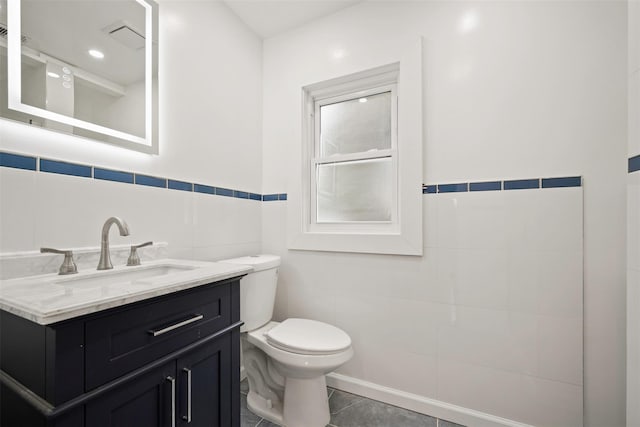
{"x":154,"y":345}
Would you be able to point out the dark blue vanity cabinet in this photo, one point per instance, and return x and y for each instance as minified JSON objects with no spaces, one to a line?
{"x":168,"y":361}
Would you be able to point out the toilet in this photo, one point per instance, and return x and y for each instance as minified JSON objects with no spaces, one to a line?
{"x":285,"y":362}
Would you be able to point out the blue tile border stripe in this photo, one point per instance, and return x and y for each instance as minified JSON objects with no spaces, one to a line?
{"x":17,"y":161}
{"x":151,"y":181}
{"x":570,"y":181}
{"x":429,"y":189}
{"x":20,"y":161}
{"x":224,"y":192}
{"x":485,"y":186}
{"x":180,"y":185}
{"x":514,"y":184}
{"x":453,"y":188}
{"x":521,"y":184}
{"x":64,"y":168}
{"x":634,"y":164}
{"x":206,"y":189}
{"x":111,"y":175}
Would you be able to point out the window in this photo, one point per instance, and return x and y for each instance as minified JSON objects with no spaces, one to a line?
{"x":361,"y":163}
{"x":353,"y":178}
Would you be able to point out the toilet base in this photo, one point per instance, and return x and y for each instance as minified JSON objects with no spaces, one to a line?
{"x":270,"y":411}
{"x":306,"y":403}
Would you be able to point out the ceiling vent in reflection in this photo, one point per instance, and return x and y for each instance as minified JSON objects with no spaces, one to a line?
{"x":125,"y":34}
{"x":4,"y":32}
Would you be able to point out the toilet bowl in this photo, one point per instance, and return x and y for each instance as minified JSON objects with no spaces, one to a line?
{"x":285,"y":362}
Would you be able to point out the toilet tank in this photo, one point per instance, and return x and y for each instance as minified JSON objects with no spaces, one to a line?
{"x":257,"y":289}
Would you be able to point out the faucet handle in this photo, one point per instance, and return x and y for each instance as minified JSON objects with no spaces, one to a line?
{"x":134,"y":259}
{"x":68,"y":265}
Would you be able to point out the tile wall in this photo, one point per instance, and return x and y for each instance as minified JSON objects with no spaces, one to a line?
{"x":489,"y":319}
{"x":633,"y":216}
{"x":41,"y":209}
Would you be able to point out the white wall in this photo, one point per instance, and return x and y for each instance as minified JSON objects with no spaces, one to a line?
{"x":210,"y":133}
{"x":534,"y":90}
{"x":633,"y":221}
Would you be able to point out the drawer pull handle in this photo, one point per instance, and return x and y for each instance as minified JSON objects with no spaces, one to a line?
{"x":173,"y":400}
{"x":187,"y":418}
{"x":156,"y":332}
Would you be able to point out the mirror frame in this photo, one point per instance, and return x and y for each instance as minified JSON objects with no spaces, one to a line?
{"x":148,"y":143}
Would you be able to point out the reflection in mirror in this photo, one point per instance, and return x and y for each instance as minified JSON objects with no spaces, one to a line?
{"x":87,"y":67}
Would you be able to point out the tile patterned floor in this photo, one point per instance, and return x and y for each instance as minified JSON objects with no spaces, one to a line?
{"x":350,"y":410}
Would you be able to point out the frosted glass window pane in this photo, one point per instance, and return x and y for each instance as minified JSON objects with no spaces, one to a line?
{"x":356,"y":125}
{"x":355,"y":191}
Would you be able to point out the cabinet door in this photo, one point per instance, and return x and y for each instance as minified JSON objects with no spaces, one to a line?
{"x":204,"y":378}
{"x":147,"y":400}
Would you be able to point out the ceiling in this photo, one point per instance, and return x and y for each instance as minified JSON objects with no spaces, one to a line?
{"x":66,"y":29}
{"x":268,"y":18}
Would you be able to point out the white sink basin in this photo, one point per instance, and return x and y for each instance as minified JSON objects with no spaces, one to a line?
{"x":122,"y":276}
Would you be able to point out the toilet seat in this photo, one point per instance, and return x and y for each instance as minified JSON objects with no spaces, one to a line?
{"x":309,"y":337}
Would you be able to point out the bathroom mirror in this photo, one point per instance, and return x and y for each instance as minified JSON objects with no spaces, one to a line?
{"x":85,"y":67}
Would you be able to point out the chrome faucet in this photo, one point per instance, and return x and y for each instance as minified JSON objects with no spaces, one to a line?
{"x":105,"y":256}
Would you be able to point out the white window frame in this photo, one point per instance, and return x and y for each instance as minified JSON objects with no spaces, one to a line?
{"x":402,"y":235}
{"x":317,"y":159}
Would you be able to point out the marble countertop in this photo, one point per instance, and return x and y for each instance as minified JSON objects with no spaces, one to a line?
{"x":51,"y":298}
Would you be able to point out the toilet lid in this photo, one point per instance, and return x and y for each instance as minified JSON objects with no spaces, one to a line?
{"x":304,"y":336}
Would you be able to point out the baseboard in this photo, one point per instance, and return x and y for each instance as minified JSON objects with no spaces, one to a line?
{"x":421,"y":404}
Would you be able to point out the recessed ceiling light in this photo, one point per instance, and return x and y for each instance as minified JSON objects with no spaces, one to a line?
{"x":362,"y":100}
{"x":54,"y":75}
{"x":96,"y":53}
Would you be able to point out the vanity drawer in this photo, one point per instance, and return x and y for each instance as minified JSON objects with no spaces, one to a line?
{"x":128,"y":339}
